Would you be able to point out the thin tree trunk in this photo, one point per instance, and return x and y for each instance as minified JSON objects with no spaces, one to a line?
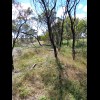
{"x":73,"y":46}
{"x":62,"y":29}
{"x":38,"y":41}
{"x":73,"y":43}
{"x":51,"y":37}
{"x":14,"y":41}
{"x":12,"y":55}
{"x":73,"y":33}
{"x":12,"y":64}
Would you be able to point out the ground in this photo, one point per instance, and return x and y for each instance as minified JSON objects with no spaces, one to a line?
{"x":41,"y":82}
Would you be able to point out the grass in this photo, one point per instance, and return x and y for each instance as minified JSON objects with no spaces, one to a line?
{"x":42,"y":81}
{"x":20,"y":88}
{"x":43,"y":98}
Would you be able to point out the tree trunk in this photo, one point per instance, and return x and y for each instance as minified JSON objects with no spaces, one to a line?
{"x":73,"y":33}
{"x":73,"y":46}
{"x":73,"y":42}
{"x":12,"y":56}
{"x":51,"y":37}
{"x":62,"y":29}
{"x":12,"y":64}
{"x":52,"y":42}
{"x":38,"y":41}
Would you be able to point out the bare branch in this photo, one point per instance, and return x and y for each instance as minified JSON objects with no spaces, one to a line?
{"x":53,"y":8}
{"x":14,"y":41}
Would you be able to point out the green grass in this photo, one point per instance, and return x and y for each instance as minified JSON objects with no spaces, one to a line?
{"x":43,"y":98}
{"x":80,"y":47}
{"x":79,"y":44}
{"x":43,"y":79}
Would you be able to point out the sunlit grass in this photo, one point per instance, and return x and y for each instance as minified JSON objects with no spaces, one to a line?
{"x":44,"y":76}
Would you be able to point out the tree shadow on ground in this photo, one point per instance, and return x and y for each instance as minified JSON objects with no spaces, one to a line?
{"x":59,"y":86}
{"x":62,"y":87}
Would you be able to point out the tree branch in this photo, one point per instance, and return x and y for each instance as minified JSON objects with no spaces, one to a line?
{"x":14,"y":41}
{"x":53,"y":8}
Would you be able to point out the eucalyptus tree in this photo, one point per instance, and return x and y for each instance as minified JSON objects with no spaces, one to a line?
{"x":71,"y":10}
{"x":17,"y":23}
{"x":48,"y":7}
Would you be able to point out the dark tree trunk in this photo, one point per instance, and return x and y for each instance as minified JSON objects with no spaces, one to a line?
{"x":73,"y":33}
{"x":73,"y":46}
{"x":38,"y":40}
{"x":72,"y":20}
{"x":73,"y":42}
{"x":12,"y":64}
{"x":62,"y":29}
{"x":51,"y":37}
{"x":12,"y":56}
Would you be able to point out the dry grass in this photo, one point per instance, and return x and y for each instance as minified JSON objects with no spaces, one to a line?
{"x":41,"y":82}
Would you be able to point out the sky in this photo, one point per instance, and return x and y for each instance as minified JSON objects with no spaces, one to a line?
{"x":81,"y":11}
{"x":81,"y":8}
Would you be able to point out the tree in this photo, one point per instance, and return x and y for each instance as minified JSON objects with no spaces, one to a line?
{"x":17,"y":24}
{"x":32,"y":33}
{"x":81,"y":31}
{"x":81,"y":26}
{"x":48,"y":12}
{"x":57,"y":30}
{"x":71,"y":10}
{"x":45,"y":37}
{"x":48,"y":8}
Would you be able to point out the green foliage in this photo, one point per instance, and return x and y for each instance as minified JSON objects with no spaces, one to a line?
{"x":80,"y":27}
{"x":57,"y":29}
{"x":73,"y":88}
{"x":45,"y":37}
{"x":43,"y":98}
{"x":23,"y":92}
{"x":19,"y":88}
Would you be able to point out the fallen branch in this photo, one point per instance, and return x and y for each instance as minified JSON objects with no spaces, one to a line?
{"x":33,"y":65}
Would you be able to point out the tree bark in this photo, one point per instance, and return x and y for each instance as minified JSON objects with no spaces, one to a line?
{"x":73,"y":42}
{"x":62,"y":30}
{"x":51,"y":37}
{"x":73,"y":33}
{"x":38,"y":40}
{"x":12,"y":64}
{"x":72,"y":20}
